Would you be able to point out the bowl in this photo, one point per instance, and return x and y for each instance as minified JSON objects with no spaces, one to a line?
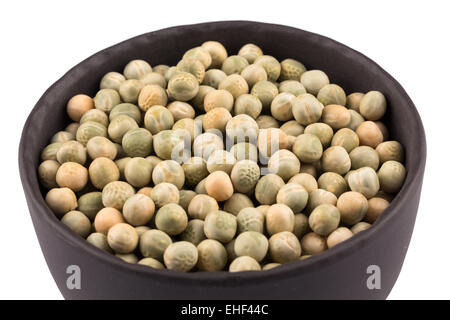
{"x":364,"y":267}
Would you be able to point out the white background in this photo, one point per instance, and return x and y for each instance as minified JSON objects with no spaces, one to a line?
{"x":41,"y":40}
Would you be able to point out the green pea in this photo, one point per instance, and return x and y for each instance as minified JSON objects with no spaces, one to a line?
{"x":252,"y":244}
{"x":391,"y":175}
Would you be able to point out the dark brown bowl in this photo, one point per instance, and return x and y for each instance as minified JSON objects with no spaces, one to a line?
{"x":342,"y":272}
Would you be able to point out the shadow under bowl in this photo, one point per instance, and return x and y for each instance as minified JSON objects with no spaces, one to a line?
{"x":342,"y":272}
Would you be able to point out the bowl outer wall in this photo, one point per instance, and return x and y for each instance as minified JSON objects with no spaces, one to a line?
{"x":339,"y":273}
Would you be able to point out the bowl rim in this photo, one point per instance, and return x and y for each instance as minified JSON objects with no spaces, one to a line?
{"x":326,"y":258}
